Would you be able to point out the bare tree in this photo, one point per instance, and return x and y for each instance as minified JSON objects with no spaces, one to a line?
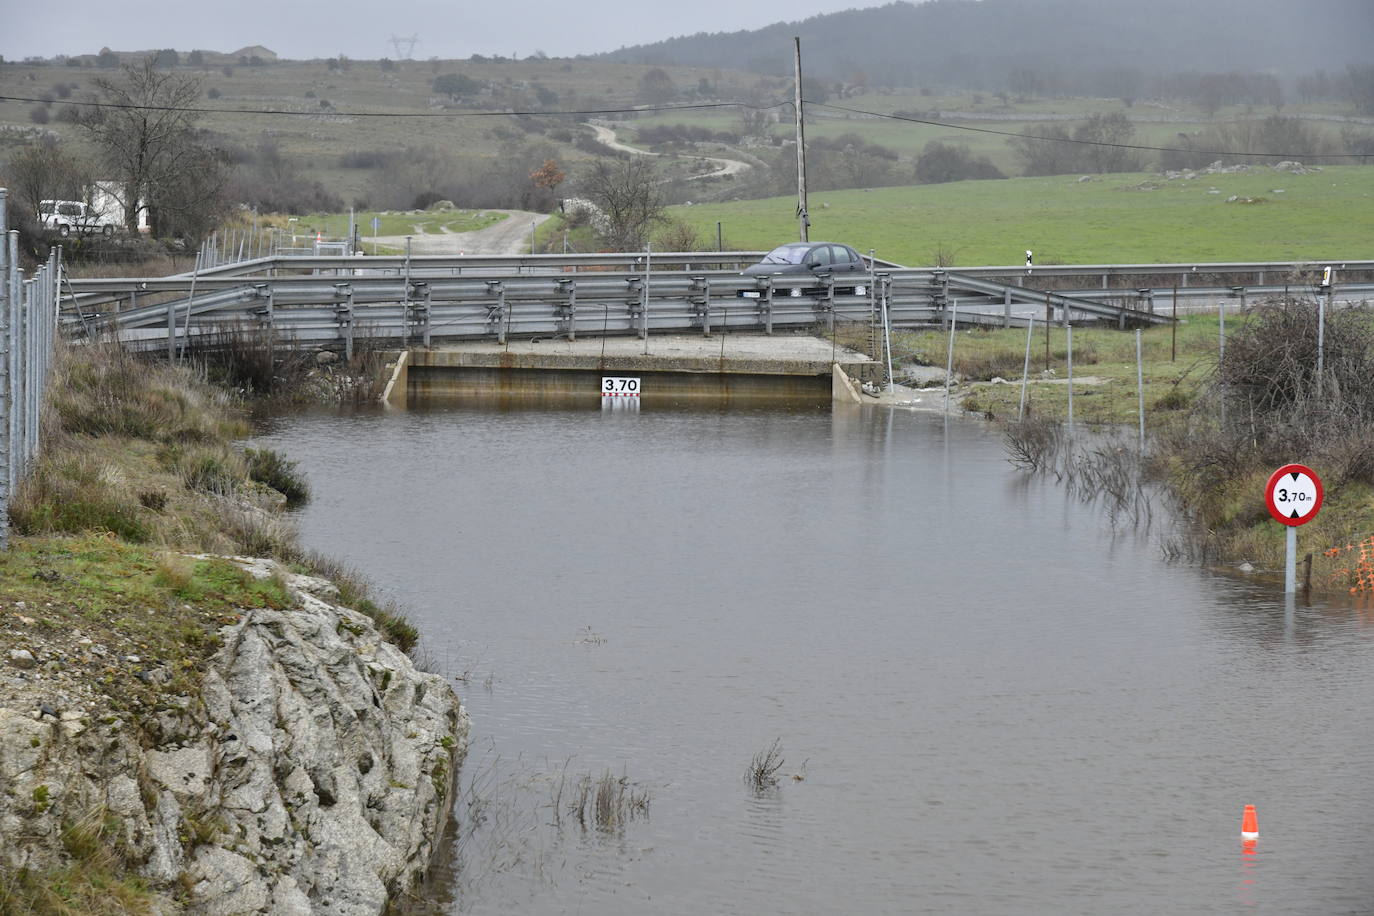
{"x":1046,"y":151}
{"x":1111,"y":133}
{"x":146,"y":138}
{"x":44,"y":171}
{"x":627,"y":191}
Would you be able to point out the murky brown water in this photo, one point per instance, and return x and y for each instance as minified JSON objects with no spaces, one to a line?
{"x":999,"y":704}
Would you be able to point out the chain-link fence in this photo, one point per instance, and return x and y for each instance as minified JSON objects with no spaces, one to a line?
{"x":28,"y":328}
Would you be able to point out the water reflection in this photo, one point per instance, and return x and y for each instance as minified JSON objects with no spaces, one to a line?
{"x":981,"y":671}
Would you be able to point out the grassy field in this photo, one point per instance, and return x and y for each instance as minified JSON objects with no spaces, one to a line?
{"x":971,"y":118}
{"x":1139,"y":218}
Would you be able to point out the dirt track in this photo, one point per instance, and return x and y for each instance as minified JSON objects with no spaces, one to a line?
{"x":510,"y":236}
{"x":606,"y":137}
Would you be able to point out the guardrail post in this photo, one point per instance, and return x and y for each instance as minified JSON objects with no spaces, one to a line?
{"x":567,"y":310}
{"x":766,"y":305}
{"x":634,"y":304}
{"x":828,"y":302}
{"x":496,"y":314}
{"x":426,"y":293}
{"x":940,"y":298}
{"x":702,"y":287}
{"x":1006,"y":307}
{"x":344,"y":310}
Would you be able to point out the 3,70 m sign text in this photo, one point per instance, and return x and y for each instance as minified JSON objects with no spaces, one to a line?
{"x":613,"y":386}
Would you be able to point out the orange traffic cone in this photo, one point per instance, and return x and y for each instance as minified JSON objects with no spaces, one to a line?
{"x":1249,"y":824}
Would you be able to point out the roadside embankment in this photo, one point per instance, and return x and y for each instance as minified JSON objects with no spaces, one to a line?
{"x":192,"y":717}
{"x":1218,"y":421}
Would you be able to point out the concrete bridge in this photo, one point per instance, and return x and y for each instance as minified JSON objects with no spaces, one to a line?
{"x":403,"y":302}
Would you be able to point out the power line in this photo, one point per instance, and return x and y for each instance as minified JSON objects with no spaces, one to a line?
{"x":1131,"y":146}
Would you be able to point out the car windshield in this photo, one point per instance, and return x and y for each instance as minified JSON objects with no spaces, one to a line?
{"x":785,"y":254}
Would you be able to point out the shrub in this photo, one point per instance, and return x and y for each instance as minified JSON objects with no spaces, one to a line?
{"x":941,"y":162}
{"x":267,"y":466}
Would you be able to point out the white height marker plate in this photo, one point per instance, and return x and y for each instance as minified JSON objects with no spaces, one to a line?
{"x":619,"y":387}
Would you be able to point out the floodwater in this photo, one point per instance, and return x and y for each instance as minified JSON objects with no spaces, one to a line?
{"x":996,"y":701}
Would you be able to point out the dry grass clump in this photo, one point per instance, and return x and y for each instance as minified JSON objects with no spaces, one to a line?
{"x":607,"y":802}
{"x":102,"y":390}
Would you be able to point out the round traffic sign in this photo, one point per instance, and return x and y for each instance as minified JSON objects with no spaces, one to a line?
{"x":1293,"y":494}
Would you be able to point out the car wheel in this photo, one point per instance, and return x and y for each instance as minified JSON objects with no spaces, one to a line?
{"x":107,"y":230}
{"x":64,"y":231}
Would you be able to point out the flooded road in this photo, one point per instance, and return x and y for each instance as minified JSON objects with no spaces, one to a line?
{"x":996,"y":702}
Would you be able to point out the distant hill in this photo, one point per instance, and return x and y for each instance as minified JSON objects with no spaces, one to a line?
{"x":996,"y":44}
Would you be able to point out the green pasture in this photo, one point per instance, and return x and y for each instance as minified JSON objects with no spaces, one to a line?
{"x":1112,"y":219}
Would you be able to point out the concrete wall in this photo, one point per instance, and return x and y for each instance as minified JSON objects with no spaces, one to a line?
{"x":582,"y":387}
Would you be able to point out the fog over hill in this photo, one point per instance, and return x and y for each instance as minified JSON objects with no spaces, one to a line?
{"x":996,"y":44}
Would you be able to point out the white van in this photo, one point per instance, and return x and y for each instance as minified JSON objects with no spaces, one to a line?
{"x":72,"y":217}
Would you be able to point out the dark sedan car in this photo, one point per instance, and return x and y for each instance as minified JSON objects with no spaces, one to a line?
{"x":814,"y":259}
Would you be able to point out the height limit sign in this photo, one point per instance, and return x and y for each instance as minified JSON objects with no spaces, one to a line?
{"x":1293,"y":495}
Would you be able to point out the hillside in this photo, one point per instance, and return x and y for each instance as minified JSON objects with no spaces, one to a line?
{"x":999,"y":44}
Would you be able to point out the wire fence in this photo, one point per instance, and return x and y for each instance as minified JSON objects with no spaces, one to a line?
{"x":28,"y":329}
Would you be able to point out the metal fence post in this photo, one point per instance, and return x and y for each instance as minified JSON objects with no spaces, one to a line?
{"x":15,"y":379}
{"x":6,"y":408}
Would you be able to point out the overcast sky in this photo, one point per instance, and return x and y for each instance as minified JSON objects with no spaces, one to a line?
{"x":361,"y":28}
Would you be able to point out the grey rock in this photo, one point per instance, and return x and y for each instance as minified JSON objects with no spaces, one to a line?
{"x":267,"y":777}
{"x":22,"y":658}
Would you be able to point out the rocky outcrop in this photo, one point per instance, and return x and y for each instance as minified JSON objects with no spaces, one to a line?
{"x":314,"y":773}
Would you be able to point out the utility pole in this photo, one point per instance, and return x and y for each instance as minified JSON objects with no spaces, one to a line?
{"x":803,"y":219}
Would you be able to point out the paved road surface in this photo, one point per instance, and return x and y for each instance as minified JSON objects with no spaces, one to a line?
{"x":509,"y":236}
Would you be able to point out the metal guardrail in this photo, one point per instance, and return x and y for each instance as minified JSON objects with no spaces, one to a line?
{"x":318,"y":300}
{"x":28,"y":329}
{"x":334,"y":300}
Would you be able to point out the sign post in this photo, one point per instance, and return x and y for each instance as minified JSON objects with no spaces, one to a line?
{"x":1293,"y":496}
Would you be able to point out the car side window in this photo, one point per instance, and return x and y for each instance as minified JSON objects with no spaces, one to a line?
{"x":820,"y":255}
{"x":69,"y":210}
